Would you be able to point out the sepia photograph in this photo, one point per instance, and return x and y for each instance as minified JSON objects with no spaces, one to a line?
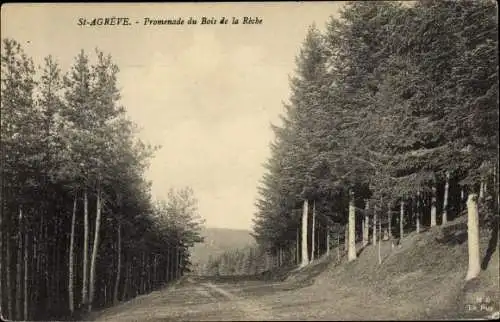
{"x":249,"y":161}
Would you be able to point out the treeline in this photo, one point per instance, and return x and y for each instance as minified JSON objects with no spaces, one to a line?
{"x":392,"y":124}
{"x":79,"y":229}
{"x":250,"y":260}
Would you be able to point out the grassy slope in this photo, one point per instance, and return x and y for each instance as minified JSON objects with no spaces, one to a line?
{"x":422,"y":279}
{"x":219,"y":240}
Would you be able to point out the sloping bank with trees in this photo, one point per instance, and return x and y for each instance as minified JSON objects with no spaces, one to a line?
{"x":392,"y":126}
{"x":79,"y":228}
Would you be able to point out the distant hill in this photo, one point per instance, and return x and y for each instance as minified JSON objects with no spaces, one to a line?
{"x":219,"y":240}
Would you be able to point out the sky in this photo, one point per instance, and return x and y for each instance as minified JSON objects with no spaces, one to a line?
{"x":206,"y":93}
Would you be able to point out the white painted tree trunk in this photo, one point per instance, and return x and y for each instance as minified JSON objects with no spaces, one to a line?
{"x":317,"y":245}
{"x":374,"y":230}
{"x":313,"y":233}
{"x":327,"y":240}
{"x":401,"y":220}
{"x":366,"y":224}
{"x":433,"y":207}
{"x":445,"y":199}
{"x":71,"y":260}
{"x":379,"y":241}
{"x":473,"y":237}
{"x":95,"y":249}
{"x":351,"y":252}
{"x":389,"y":218}
{"x":304,"y":253}
{"x":85,"y":248}
{"x":481,"y":190}
{"x":418,"y":212}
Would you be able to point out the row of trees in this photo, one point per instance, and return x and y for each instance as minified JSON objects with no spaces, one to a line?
{"x":393,"y":121}
{"x":78,"y":227}
{"x":250,"y":260}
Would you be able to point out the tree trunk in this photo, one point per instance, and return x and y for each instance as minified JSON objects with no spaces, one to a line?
{"x":155,"y":271}
{"x":35,"y":273}
{"x":143,"y":274}
{"x":363,"y":231}
{"x":105,"y":290}
{"x":351,"y":255}
{"x":305,"y":255}
{"x":167,"y":265}
{"x":462,"y":198}
{"x":433,"y":206}
{"x":26,"y":297}
{"x":497,"y":190}
{"x":127,"y":281}
{"x":481,"y":190}
{"x":366,"y":224}
{"x":119,"y":264}
{"x":148,"y":273}
{"x":85,"y":248}
{"x":346,"y":237}
{"x":71,"y":264}
{"x":379,"y":241}
{"x":297,"y":247}
{"x":495,"y":185}
{"x":327,"y":240}
{"x":46,"y":264}
{"x":389,"y":218}
{"x":177,"y":266}
{"x":338,"y":246}
{"x":473,"y":237}
{"x":1,"y":246}
{"x":418,"y":212}
{"x":445,"y":198}
{"x":19,"y":267}
{"x":313,"y":240}
{"x":8,"y":276}
{"x":95,"y":249}
{"x":181,"y":264}
{"x":401,"y":220}
{"x":374,"y":230}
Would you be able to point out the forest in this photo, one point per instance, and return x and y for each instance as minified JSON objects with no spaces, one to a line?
{"x":79,"y":228}
{"x":391,"y":127}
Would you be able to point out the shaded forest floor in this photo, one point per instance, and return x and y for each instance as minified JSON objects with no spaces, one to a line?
{"x":421,"y":279}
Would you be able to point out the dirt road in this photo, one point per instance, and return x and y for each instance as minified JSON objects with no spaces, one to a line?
{"x":422,"y":280}
{"x":197,"y":300}
{"x":201,"y":300}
